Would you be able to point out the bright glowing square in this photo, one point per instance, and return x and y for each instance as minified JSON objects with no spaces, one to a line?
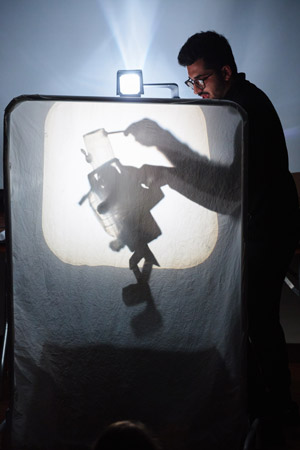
{"x":130,"y":84}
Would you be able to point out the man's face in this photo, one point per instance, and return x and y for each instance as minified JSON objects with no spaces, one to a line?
{"x":215,"y":86}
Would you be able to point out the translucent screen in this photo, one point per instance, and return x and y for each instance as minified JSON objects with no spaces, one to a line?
{"x":126,"y":239}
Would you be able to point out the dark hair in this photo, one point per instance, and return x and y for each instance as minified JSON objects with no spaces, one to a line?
{"x":126,"y":435}
{"x":212,"y":47}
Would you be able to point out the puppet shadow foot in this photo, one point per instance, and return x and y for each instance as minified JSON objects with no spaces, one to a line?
{"x":134,"y":294}
{"x":147,"y":321}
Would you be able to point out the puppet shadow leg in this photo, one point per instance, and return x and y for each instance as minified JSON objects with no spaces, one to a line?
{"x":149,"y":320}
{"x":140,"y":292}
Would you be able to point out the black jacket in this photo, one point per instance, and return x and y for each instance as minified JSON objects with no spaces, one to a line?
{"x":272,"y":197}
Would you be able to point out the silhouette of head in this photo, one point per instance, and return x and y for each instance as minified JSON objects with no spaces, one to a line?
{"x":126,"y":435}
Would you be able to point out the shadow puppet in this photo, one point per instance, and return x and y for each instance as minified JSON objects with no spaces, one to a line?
{"x":123,"y":196}
{"x":122,"y":203}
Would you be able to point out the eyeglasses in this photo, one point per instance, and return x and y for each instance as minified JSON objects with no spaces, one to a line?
{"x":199,"y":83}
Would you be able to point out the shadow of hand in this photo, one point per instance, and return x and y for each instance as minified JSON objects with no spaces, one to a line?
{"x":147,"y":132}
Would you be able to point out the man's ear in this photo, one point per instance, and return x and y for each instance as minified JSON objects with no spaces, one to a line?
{"x":227,"y":72}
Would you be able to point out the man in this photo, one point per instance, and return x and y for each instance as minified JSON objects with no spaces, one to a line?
{"x":273,"y":217}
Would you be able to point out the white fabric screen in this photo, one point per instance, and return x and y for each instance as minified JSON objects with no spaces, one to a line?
{"x":95,"y":341}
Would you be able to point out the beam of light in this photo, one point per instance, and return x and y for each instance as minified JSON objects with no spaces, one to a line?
{"x":132,"y":24}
